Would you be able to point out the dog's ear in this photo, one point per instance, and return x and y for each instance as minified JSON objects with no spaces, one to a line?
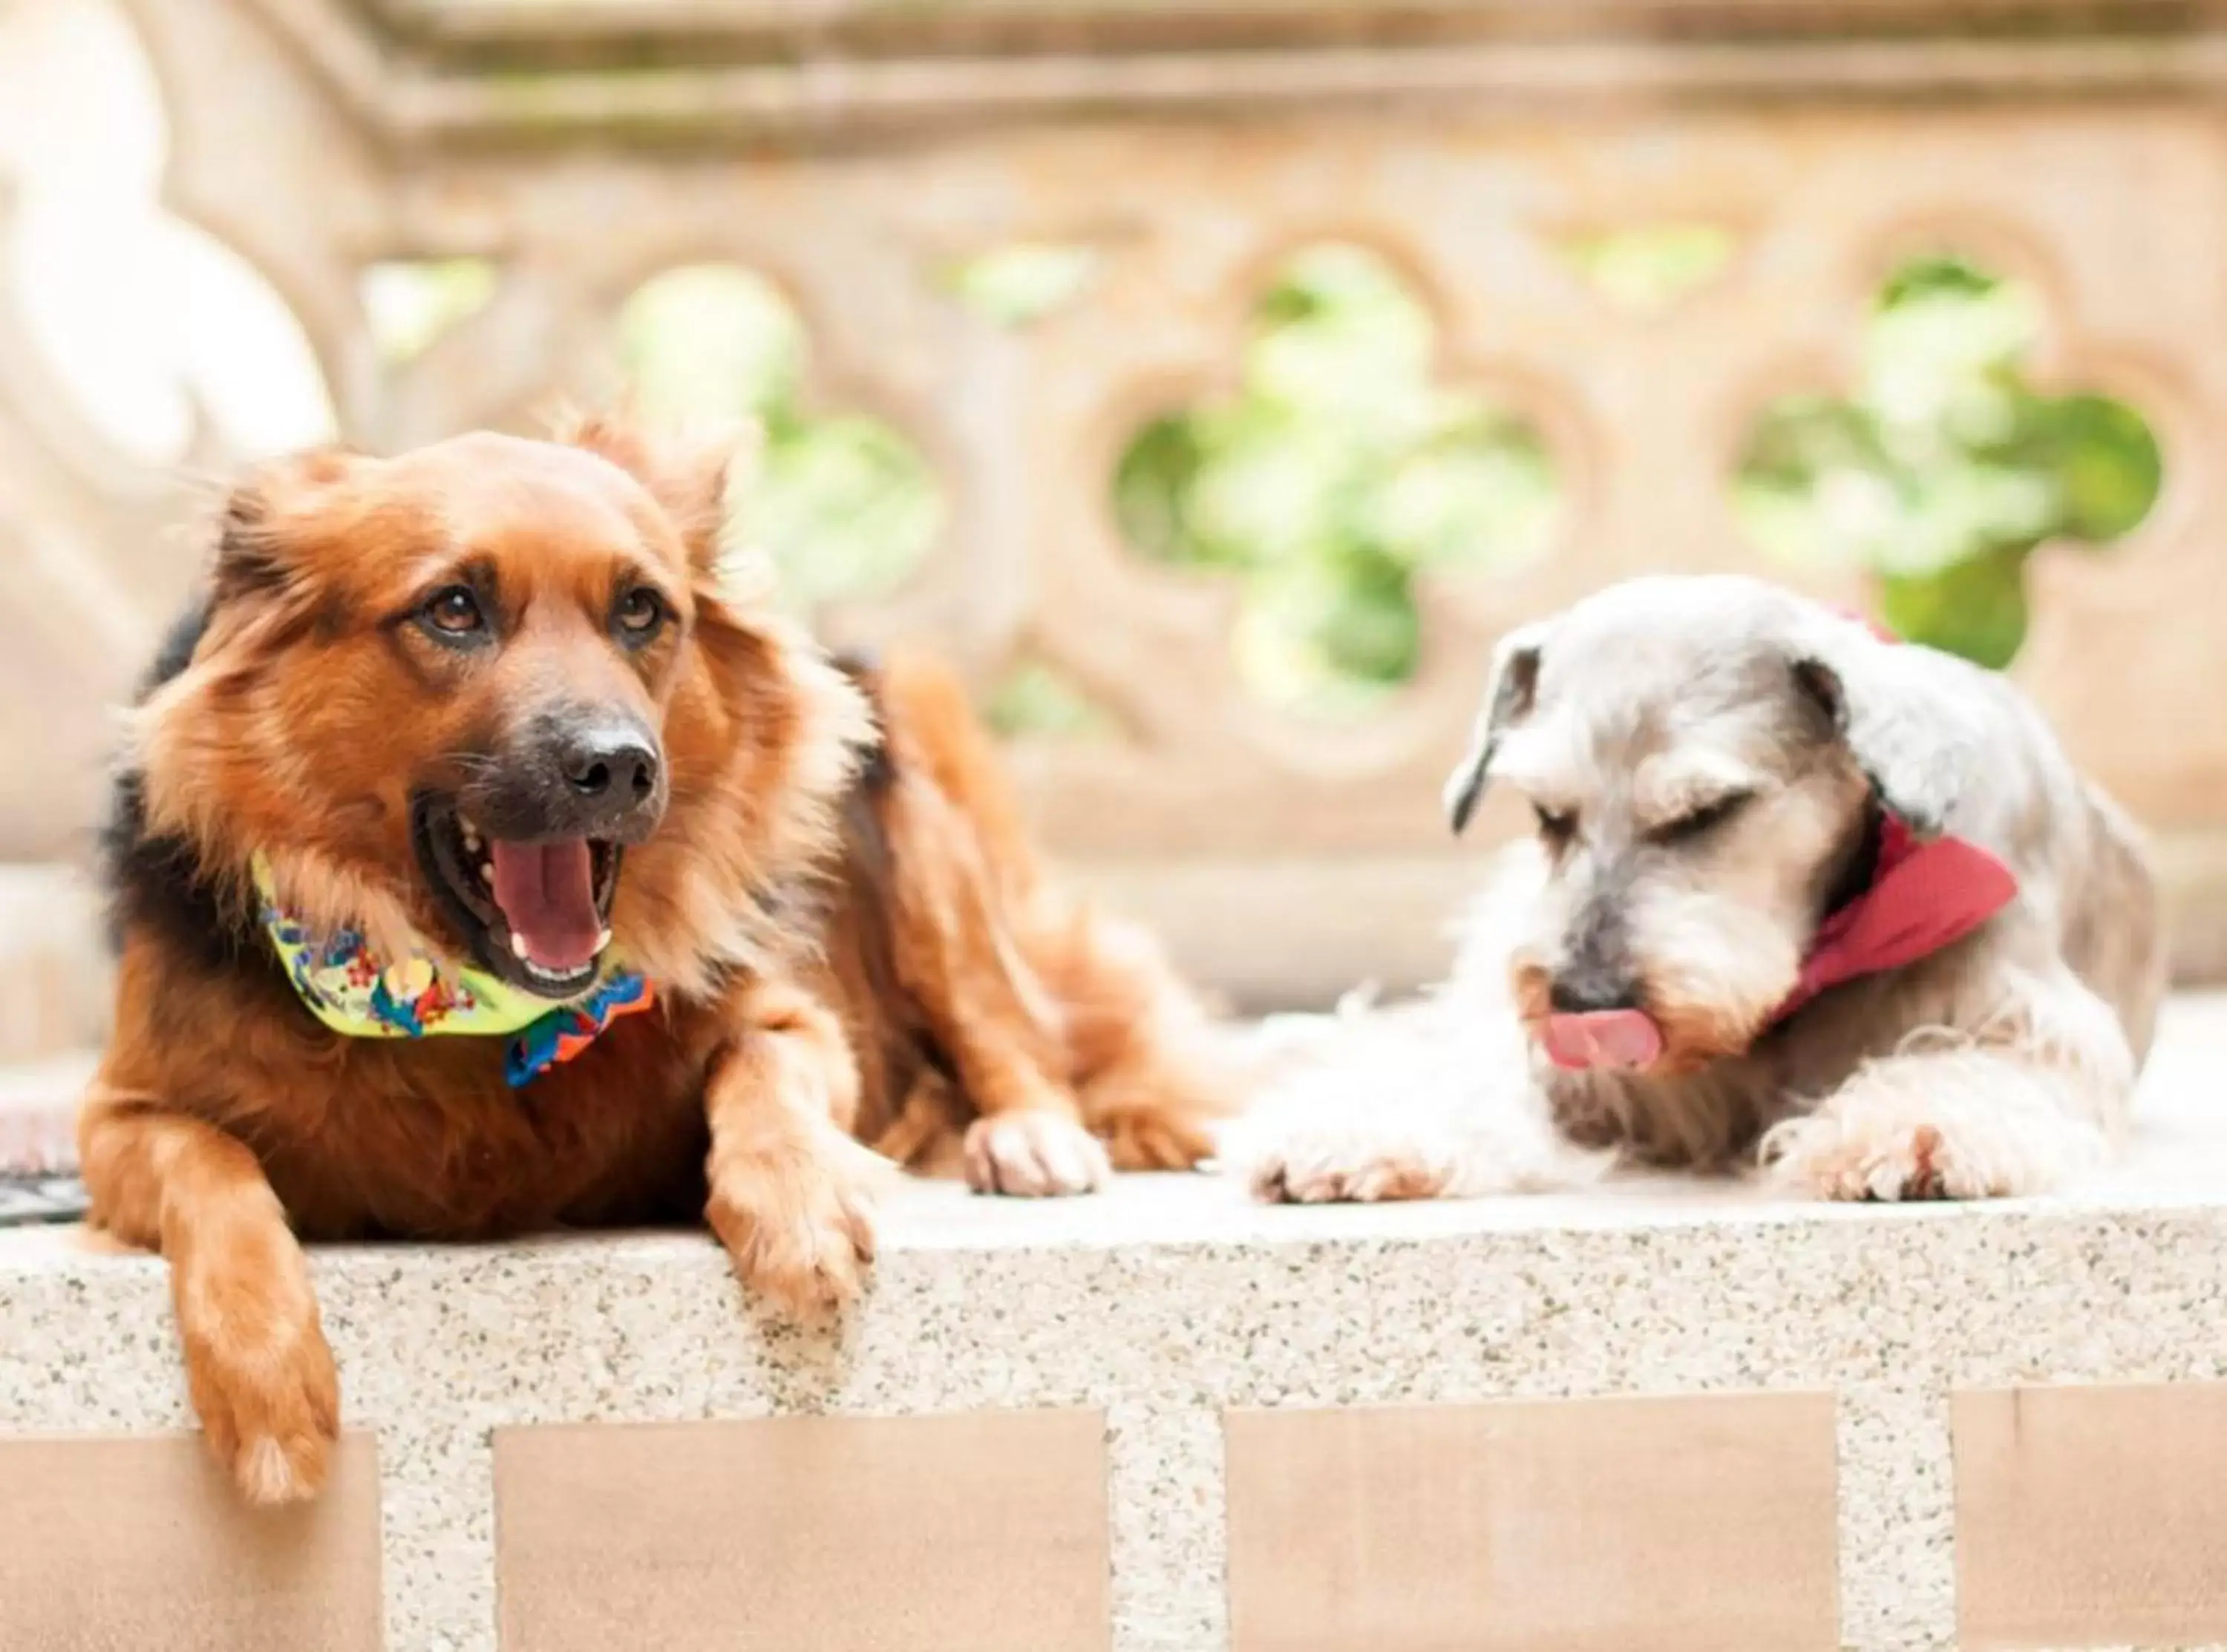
{"x":1507,"y":697}
{"x":259,"y":525}
{"x":1913,"y":745}
{"x":691,"y":473}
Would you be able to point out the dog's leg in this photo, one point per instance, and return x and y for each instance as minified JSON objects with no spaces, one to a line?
{"x":1154,"y":1077}
{"x":990,"y":1011}
{"x":257,"y":1364}
{"x":1435,"y":1101}
{"x":790,"y":1191}
{"x":2039,"y":1094}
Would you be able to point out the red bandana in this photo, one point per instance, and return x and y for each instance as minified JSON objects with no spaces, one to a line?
{"x":1922,"y":895}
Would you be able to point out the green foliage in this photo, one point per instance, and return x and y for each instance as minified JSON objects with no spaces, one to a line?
{"x":845,"y":506}
{"x":1016,"y":286}
{"x":1341,"y":471}
{"x":1945,"y":468}
{"x":1650,"y":269}
{"x":1036,"y":698}
{"x":1344,"y":467}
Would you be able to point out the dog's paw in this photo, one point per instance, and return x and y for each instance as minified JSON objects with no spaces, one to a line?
{"x":799,"y":1229}
{"x":1953,"y":1123}
{"x":264,"y":1384}
{"x":1328,"y":1164}
{"x":1034,"y":1154}
{"x":1831,"y":1158}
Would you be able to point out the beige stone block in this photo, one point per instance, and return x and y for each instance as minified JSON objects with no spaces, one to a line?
{"x":983,"y":1532}
{"x":2091,"y":1516}
{"x":108,"y":1543}
{"x":1704,"y":1524}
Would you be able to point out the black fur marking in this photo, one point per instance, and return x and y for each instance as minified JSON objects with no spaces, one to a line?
{"x":1862,"y":867}
{"x":177,"y":652}
{"x":157,"y":884}
{"x":247,"y":560}
{"x":876,"y":771}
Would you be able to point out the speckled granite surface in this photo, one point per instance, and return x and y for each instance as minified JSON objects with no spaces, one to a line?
{"x":1171,"y":1298}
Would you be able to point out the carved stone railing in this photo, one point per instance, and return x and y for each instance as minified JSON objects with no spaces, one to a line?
{"x":849,"y":152}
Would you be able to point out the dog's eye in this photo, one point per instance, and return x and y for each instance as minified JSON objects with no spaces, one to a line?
{"x":454,"y":611}
{"x":641,"y":613}
{"x":1695,"y":822}
{"x":1557,"y":827}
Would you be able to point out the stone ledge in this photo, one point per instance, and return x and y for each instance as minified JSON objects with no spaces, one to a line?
{"x":1171,"y":1301}
{"x":424,"y":73}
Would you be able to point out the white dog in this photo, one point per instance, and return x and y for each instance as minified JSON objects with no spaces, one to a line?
{"x":1798,"y":890}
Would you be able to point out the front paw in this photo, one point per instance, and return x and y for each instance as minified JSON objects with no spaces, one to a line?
{"x":1034,"y":1155}
{"x":264,"y":1384}
{"x":798,"y":1226}
{"x":1829,"y":1159}
{"x":1328,"y":1164}
{"x":1856,"y":1156}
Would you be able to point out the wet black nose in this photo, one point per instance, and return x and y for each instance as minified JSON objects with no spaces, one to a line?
{"x":611,"y":765}
{"x":1585,"y":991}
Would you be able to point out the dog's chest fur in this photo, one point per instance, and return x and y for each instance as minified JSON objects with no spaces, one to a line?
{"x":424,"y":1138}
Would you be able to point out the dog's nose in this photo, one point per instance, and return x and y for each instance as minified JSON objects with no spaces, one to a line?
{"x":614,"y":765}
{"x":1586,"y":992}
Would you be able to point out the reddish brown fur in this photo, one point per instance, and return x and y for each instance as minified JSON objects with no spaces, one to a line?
{"x":834,"y":958}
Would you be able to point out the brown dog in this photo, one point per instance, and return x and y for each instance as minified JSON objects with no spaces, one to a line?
{"x":477,"y":726}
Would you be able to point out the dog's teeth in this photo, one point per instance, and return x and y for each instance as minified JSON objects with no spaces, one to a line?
{"x":603,"y":940}
{"x":487,"y":872}
{"x":518,"y":946}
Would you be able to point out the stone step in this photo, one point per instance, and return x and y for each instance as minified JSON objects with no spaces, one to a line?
{"x":54,"y":961}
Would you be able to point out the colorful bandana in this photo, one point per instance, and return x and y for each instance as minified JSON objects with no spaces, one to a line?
{"x":347,"y":988}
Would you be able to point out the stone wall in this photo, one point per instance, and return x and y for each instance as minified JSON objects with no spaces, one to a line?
{"x":850,"y":158}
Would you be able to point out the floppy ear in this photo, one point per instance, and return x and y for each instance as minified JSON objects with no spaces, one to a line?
{"x":1507,"y":697}
{"x":1914,"y":745}
{"x":689,"y":473}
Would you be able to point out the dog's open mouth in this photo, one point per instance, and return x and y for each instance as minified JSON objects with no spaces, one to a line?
{"x":538,"y":912}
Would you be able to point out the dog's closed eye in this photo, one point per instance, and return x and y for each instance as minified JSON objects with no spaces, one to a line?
{"x":1695,"y":821}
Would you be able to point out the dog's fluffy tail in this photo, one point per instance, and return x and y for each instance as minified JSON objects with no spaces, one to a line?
{"x":1152,"y":1073}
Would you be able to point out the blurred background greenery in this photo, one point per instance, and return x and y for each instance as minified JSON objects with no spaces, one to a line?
{"x":1345,"y":467}
{"x":1341,"y":469}
{"x":1945,"y":468}
{"x":845,"y":505}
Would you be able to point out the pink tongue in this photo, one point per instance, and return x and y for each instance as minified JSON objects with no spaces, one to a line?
{"x":1602,"y":1038}
{"x":547,"y":894}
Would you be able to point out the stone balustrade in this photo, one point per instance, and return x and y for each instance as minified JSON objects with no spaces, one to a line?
{"x":852,"y":154}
